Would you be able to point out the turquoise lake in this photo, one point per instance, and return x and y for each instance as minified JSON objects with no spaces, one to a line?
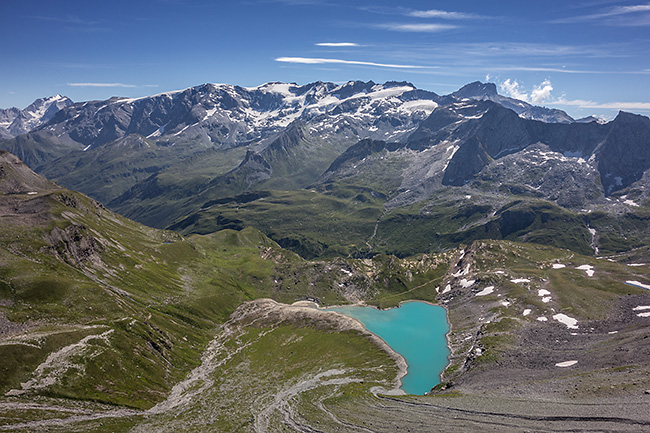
{"x":417,"y":331}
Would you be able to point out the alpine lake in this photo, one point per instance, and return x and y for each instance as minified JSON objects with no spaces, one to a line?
{"x":415,"y":330}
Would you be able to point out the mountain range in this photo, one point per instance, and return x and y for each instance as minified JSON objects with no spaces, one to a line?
{"x":209,"y":157}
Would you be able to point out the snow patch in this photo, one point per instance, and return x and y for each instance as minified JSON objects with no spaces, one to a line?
{"x":638,"y":284}
{"x":542,"y":319}
{"x":520,"y":280}
{"x":558,"y":266}
{"x":646,"y":314}
{"x":486,"y":291}
{"x":641,"y":308}
{"x":589,"y":270}
{"x":566,"y":363}
{"x":465,"y":284}
{"x":570,"y":322}
{"x":527,"y":311}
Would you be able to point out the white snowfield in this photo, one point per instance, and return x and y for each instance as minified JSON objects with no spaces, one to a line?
{"x":570,"y":322}
{"x":558,"y":266}
{"x":520,"y":280}
{"x":488,"y":290}
{"x":465,"y":284}
{"x":566,"y":363}
{"x":588,"y":269}
{"x":638,"y":284}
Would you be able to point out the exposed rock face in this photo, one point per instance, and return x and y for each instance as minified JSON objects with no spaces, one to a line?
{"x":625,"y":154}
{"x":74,"y":245}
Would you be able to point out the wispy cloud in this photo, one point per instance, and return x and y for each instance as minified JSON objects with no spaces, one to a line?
{"x":421,"y":28}
{"x":68,"y":19}
{"x":645,"y":106}
{"x":316,"y":61}
{"x":445,"y":15}
{"x":428,"y":13}
{"x":566,"y":70}
{"x":635,"y":15}
{"x":546,"y":69}
{"x":72,"y":23}
{"x":337,"y":44}
{"x":103,"y":85}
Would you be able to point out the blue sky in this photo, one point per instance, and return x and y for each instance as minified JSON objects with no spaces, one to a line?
{"x":586,"y":57}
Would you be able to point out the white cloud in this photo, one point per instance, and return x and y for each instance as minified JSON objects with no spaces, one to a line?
{"x":436,"y":13}
{"x":316,"y":61}
{"x":541,"y":93}
{"x":337,"y":44}
{"x":603,"y":105}
{"x":513,"y":89}
{"x":488,"y":77}
{"x":422,"y":28}
{"x":100,"y":85}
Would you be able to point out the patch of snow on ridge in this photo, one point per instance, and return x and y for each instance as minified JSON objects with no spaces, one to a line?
{"x":630,"y":203}
{"x":542,"y":319}
{"x":570,"y":322}
{"x":527,"y":311}
{"x":589,"y":270}
{"x":420,"y":105}
{"x":641,"y":308}
{"x":543,"y":292}
{"x":520,"y":280}
{"x":462,"y":272}
{"x":638,"y":284}
{"x":486,"y":291}
{"x":465,"y":284}
{"x":558,"y":266}
{"x":566,"y":363}
{"x":646,"y":314}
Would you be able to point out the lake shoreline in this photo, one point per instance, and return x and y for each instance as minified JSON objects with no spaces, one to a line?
{"x":419,"y":367}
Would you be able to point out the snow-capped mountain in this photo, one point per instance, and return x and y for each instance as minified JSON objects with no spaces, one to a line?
{"x":7,"y":116}
{"x":488,"y":92}
{"x":161,"y":158}
{"x":14,"y":122}
{"x":225,"y":115}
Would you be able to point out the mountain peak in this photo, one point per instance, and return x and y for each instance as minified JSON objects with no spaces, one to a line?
{"x":476,"y":89}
